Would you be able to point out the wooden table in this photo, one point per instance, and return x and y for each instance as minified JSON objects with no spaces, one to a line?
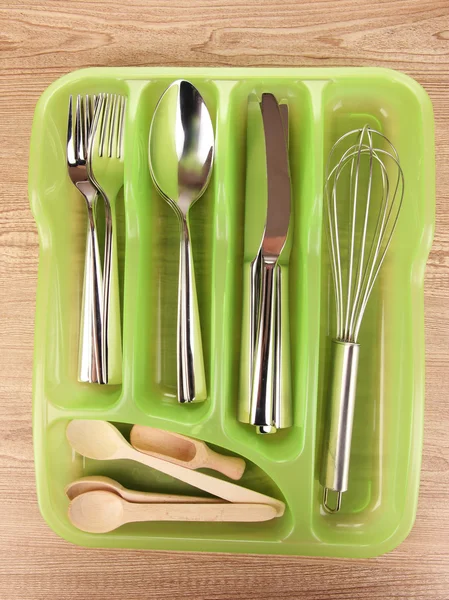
{"x":40,"y":41}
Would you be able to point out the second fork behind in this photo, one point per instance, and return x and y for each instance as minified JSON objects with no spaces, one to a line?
{"x":107,"y":171}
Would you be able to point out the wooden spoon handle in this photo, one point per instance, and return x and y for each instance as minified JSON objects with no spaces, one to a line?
{"x":139,"y":497}
{"x":194,"y":512}
{"x":223,"y":489}
{"x":231,"y":466}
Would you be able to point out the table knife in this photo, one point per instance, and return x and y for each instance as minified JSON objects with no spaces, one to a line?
{"x":266,"y":392}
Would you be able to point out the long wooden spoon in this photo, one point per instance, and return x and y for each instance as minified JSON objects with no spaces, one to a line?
{"x":100,"y":512}
{"x":106,"y":484}
{"x":102,"y":441}
{"x":182,"y":450}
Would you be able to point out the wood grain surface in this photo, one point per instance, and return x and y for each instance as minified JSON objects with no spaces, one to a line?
{"x":39,"y":41}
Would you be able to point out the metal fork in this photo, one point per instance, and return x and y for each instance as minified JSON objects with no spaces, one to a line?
{"x":78,"y":135}
{"x":106,"y":171}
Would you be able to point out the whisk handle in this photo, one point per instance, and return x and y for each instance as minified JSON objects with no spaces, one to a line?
{"x":337,"y":447}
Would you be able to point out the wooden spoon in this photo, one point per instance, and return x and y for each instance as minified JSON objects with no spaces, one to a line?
{"x":100,"y":512}
{"x":182,"y":450}
{"x":102,"y":441}
{"x":100,"y":483}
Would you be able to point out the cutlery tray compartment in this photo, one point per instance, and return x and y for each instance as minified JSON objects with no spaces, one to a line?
{"x":380,"y":506}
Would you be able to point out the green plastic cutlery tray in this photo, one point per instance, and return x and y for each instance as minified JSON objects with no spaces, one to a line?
{"x":379,"y":508}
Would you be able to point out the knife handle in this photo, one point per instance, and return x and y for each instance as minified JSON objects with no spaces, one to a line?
{"x":264,"y":358}
{"x":282,"y":403}
{"x":251,"y":301}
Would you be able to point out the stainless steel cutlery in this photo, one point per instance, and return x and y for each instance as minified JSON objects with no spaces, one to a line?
{"x":363,"y":197}
{"x":265,"y":388}
{"x":78,"y":164}
{"x":95,"y":139}
{"x":181,"y":153}
{"x":107,"y":171}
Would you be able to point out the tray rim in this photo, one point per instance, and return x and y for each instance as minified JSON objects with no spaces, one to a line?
{"x":40,"y":407}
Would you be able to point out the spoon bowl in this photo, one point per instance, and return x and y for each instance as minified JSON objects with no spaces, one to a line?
{"x":95,"y":439}
{"x":93,"y":484}
{"x":181,"y":147}
{"x":97,"y":512}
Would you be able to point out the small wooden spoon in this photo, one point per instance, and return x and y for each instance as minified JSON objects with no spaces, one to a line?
{"x":100,"y":512}
{"x":106,"y":484}
{"x":182,"y":450}
{"x":102,"y":441}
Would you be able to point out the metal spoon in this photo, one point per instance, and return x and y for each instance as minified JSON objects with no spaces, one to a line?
{"x":181,"y":151}
{"x":106,"y":484}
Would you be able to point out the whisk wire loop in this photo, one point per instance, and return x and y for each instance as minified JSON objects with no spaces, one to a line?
{"x":361,"y":167}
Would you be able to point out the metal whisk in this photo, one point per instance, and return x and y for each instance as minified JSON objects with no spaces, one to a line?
{"x":363,"y":196}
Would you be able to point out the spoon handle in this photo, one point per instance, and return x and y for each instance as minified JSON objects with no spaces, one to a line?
{"x":217,"y":487}
{"x":191,"y":377}
{"x":231,"y":466}
{"x":133,"y":513}
{"x":139,"y":497}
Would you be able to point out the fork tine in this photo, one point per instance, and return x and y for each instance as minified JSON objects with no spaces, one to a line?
{"x":96,"y":100}
{"x":70,"y":134}
{"x":86,"y":101}
{"x":95,"y":127}
{"x":90,"y":103}
{"x":111,"y":143}
{"x":113,"y":129}
{"x":105,"y":125}
{"x":78,"y":130}
{"x":85,"y":126}
{"x":121,"y":125}
{"x":109,"y":125}
{"x":93,"y":106}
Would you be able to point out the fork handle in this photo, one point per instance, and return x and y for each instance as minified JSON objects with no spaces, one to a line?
{"x":87,"y":371}
{"x":111,"y":332}
{"x":191,"y":377}
{"x":90,"y":367}
{"x":97,"y":295}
